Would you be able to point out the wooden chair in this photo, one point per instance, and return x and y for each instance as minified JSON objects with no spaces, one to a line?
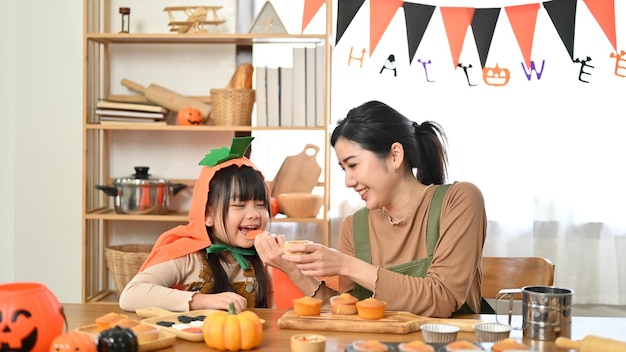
{"x":515,"y":272}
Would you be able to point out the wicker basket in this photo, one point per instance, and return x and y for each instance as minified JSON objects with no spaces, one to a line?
{"x":124,"y":262}
{"x":232,"y":106}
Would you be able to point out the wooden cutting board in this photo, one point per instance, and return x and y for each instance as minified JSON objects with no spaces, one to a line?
{"x":165,"y":339}
{"x":392,"y":323}
{"x":298,"y":173}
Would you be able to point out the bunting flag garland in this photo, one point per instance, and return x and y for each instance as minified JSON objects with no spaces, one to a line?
{"x":604,"y":13}
{"x":523,"y":19}
{"x":310,"y":9}
{"x":383,"y":11}
{"x":346,"y":10}
{"x":563,"y":16}
{"x":416,"y":17}
{"x":457,"y":20}
{"x":483,"y":27}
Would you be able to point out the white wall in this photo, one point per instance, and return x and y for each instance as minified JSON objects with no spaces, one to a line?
{"x":41,"y":143}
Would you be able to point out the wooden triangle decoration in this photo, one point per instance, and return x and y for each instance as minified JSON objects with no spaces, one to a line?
{"x":267,"y":21}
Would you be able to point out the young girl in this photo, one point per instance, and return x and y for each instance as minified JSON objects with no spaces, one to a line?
{"x":209,"y":262}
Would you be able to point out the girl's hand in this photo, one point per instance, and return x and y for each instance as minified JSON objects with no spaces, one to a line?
{"x":317,"y":260}
{"x":218,"y":301}
{"x":270,"y":249}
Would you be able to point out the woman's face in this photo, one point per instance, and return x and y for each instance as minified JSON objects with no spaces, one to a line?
{"x":371,"y":177}
{"x":243,"y":217}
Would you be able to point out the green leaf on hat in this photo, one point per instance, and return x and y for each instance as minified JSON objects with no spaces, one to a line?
{"x":237,"y":150}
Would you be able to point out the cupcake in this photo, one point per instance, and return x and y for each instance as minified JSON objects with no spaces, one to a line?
{"x":508,"y":344}
{"x":344,"y":304}
{"x":369,"y":346}
{"x":415,"y":346}
{"x":462,"y":345}
{"x":371,"y":308}
{"x":307,"y":305}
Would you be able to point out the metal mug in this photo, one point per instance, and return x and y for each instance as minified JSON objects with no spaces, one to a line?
{"x":546,"y":311}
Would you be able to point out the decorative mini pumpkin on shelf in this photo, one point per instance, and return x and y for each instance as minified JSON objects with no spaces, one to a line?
{"x":229,"y":331}
{"x":73,"y":341}
{"x":189,"y":116}
{"x":30,"y":317}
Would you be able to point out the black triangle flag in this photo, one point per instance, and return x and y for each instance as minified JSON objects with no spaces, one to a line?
{"x":417,"y":17}
{"x":563,"y":16}
{"x":483,"y":27}
{"x":346,"y":10}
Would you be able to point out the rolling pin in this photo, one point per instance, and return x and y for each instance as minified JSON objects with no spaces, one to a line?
{"x":167,"y":98}
{"x":591,"y":344}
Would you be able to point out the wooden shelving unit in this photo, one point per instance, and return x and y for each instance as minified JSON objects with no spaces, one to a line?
{"x":98,"y":213}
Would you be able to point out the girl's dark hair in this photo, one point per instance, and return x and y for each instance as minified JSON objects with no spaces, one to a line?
{"x":241,"y":183}
{"x":375,"y":126}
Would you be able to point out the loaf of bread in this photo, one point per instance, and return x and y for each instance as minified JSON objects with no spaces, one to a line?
{"x":242,"y":78}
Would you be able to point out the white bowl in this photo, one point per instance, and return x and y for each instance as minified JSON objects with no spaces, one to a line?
{"x":491,"y":332}
{"x":439,"y":333}
{"x":308,"y":343}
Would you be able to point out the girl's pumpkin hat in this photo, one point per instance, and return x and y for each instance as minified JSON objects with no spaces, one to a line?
{"x":184,"y":239}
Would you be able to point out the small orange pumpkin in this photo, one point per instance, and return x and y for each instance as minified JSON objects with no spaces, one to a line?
{"x":73,"y":341}
{"x":189,"y":116}
{"x":229,"y":331}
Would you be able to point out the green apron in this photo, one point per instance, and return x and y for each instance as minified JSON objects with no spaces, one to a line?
{"x":416,"y":268}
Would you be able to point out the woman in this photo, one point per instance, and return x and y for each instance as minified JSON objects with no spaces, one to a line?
{"x":398,"y":248}
{"x":210,"y":262}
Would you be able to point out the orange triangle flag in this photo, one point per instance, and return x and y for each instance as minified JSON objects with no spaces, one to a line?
{"x":523,"y":19}
{"x":310,"y":9}
{"x":456,"y":20}
{"x":604,"y":13}
{"x":381,"y":13}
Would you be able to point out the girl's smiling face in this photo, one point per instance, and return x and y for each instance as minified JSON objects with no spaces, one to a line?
{"x":371,"y":177}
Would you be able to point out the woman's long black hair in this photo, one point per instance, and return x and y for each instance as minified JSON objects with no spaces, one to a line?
{"x":375,"y":126}
{"x":242,"y":183}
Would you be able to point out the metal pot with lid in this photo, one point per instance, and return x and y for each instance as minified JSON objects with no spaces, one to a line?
{"x":141,"y":194}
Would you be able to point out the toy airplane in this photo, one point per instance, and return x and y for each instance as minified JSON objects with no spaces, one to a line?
{"x":196,"y":18}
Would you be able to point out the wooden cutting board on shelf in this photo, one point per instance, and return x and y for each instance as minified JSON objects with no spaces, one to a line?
{"x":299,"y":173}
{"x":394,"y":322}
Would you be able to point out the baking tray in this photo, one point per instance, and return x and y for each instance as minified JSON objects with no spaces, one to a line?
{"x":165,"y":339}
{"x":393,"y":347}
{"x":175,"y":318}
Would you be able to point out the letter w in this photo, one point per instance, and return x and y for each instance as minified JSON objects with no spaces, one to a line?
{"x":529,"y":73}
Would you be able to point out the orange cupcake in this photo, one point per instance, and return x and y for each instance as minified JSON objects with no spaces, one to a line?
{"x":371,"y":308}
{"x":508,"y":344}
{"x":461,"y":345}
{"x":415,"y":346}
{"x":369,"y":346}
{"x":307,"y":305}
{"x":344,"y":304}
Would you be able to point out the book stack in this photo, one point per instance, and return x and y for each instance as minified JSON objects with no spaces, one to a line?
{"x":116,"y":112}
{"x":293,"y":96}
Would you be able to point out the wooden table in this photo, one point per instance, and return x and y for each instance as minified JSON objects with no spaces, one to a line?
{"x":275,"y":339}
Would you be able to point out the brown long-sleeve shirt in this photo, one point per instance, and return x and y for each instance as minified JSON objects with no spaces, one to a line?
{"x":454,"y":275}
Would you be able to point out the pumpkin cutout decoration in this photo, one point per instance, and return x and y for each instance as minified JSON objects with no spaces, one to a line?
{"x":189,"y":116}
{"x":496,"y":76}
{"x":30,"y":317}
{"x":73,"y":341}
{"x":229,"y":331}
